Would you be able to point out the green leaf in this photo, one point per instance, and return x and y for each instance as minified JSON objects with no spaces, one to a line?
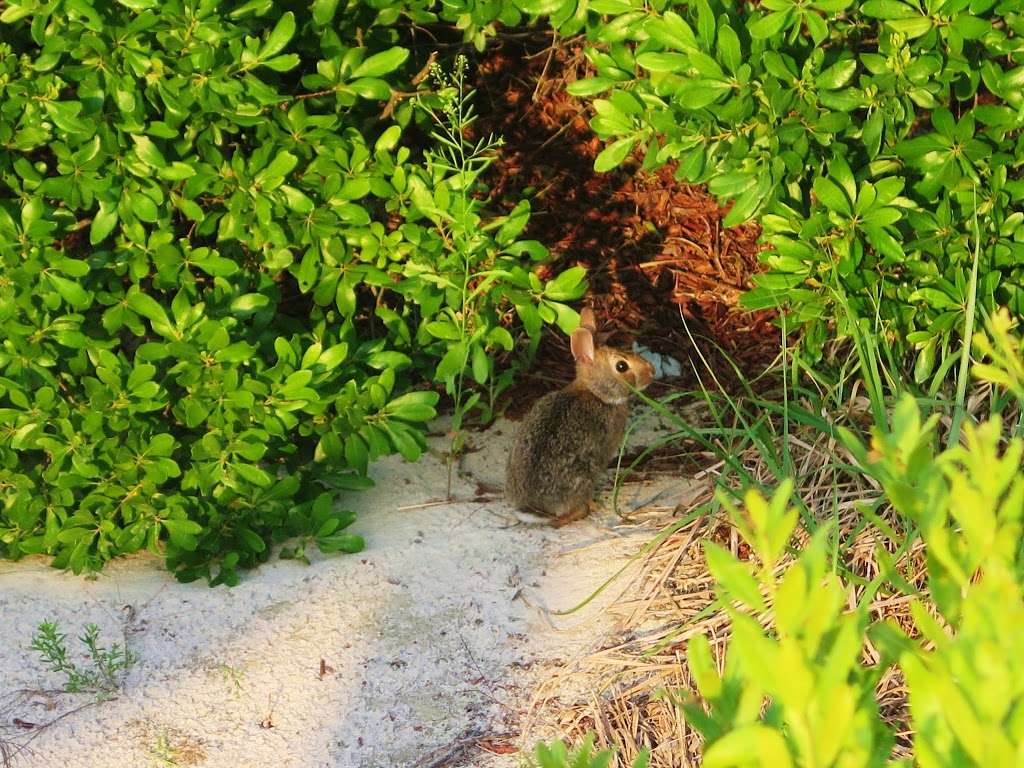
{"x":732,"y":184}
{"x":329,"y":448}
{"x":235,"y":352}
{"x":702,"y":667}
{"x":145,"y":305}
{"x":700,"y":93}
{"x":252,"y":474}
{"x":568,"y":285}
{"x":13,"y":13}
{"x":403,"y":440}
{"x":452,"y":364}
{"x":332,"y":357}
{"x":540,"y":7}
{"x":613,"y":155}
{"x":736,"y":746}
{"x":250,"y":302}
{"x":371,"y":88}
{"x":872,"y":133}
{"x":323,"y":11}
{"x":143,"y":207}
{"x":705,"y":24}
{"x":24,"y":437}
{"x":889,"y":9}
{"x":531,"y":318}
{"x":590,"y":86}
{"x":65,"y":115}
{"x":481,"y":365}
{"x":356,"y":455}
{"x":816,"y":26}
{"x":414,"y":406}
{"x":103,"y":223}
{"x":148,"y":152}
{"x":733,"y":576}
{"x":744,"y":207}
{"x":838,"y":75}
{"x":388,"y":139}
{"x":182,"y":533}
{"x":729,"y":47}
{"x":769,"y":26}
{"x":514,"y":224}
{"x":664,"y":62}
{"x":611,"y":7}
{"x":934,"y":298}
{"x":443,"y":329}
{"x":971,"y":27}
{"x":382,"y":63}
{"x":176,"y":171}
{"x":349,"y":543}
{"x":253,"y":541}
{"x":282,"y":164}
{"x":214,"y":264}
{"x":831,"y":196}
{"x":282,"y":63}
{"x":884,"y":243}
{"x":73,"y":293}
{"x":912,"y":28}
{"x":283,"y":32}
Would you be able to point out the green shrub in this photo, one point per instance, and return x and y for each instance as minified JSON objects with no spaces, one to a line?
{"x":1001,"y":357}
{"x":820,"y":706}
{"x":795,"y":689}
{"x":864,"y":135}
{"x":223,"y":274}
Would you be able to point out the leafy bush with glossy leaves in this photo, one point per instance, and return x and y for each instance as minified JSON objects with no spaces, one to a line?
{"x":224,"y":271}
{"x":868,"y":138}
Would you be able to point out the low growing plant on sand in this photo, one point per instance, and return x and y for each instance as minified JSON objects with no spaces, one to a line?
{"x":106,"y":667}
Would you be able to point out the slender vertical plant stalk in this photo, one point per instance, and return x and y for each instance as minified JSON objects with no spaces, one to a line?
{"x":959,"y":408}
{"x":466,"y":162}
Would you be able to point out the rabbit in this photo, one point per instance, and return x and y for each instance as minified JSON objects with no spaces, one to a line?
{"x":566,"y":441}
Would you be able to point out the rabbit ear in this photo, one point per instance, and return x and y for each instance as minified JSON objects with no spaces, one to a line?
{"x":581,"y":342}
{"x":587,"y":319}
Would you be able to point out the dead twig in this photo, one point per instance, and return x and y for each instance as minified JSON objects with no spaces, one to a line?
{"x":453,"y":753}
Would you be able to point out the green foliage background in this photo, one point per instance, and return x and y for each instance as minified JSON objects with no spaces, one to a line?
{"x":877,"y":142}
{"x":798,"y":689}
{"x":225,"y":273}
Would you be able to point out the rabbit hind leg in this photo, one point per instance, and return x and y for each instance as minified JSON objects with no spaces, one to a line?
{"x":575,"y":512}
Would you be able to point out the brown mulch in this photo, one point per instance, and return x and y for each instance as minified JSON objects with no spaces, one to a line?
{"x":659,"y":260}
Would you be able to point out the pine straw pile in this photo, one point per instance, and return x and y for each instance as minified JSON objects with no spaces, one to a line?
{"x":674,"y":599}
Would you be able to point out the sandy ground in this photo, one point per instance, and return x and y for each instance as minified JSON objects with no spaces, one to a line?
{"x":412,"y":653}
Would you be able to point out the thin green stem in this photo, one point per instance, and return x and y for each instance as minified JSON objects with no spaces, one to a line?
{"x":965,"y":354}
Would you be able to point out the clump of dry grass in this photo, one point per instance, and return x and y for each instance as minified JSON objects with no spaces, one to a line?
{"x":636,"y":681}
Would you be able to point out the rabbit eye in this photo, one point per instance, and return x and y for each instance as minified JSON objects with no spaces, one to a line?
{"x":622,"y":366}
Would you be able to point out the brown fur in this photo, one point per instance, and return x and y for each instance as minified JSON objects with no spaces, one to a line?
{"x":566,"y":441}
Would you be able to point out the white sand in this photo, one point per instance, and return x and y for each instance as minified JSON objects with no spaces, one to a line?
{"x":433,"y":638}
